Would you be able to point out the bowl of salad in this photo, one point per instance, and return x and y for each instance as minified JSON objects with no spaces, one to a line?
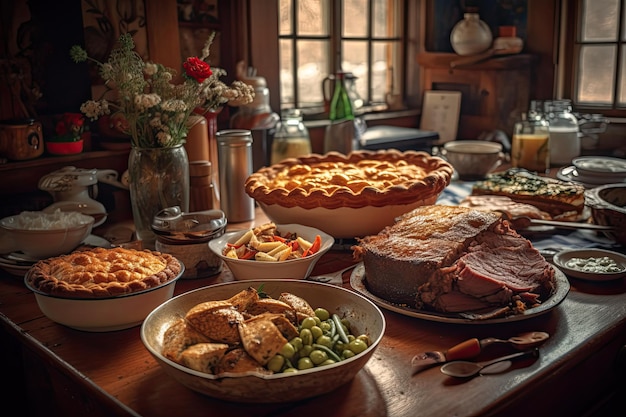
{"x":272,"y":251}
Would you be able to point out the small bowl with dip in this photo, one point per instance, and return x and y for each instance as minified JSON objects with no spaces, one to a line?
{"x":591,"y":264}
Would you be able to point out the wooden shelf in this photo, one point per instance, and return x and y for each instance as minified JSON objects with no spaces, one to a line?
{"x":22,"y":177}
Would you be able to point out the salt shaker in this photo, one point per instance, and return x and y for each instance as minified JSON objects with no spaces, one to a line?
{"x":234,"y":150}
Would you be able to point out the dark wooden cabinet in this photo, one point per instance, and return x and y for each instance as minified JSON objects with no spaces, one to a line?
{"x":494,"y":92}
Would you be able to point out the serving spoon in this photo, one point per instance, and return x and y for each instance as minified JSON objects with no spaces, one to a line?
{"x":473,"y":347}
{"x":466,"y":369}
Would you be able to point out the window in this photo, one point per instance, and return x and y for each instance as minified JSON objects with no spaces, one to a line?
{"x":598,"y":55}
{"x":320,"y":37}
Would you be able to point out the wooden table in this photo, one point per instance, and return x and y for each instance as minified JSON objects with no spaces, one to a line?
{"x":53,"y":370}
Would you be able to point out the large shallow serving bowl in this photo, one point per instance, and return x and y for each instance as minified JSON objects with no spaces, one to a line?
{"x":40,"y":235}
{"x":352,"y":195}
{"x":245,"y":269}
{"x":608,"y":208}
{"x":364,"y":316}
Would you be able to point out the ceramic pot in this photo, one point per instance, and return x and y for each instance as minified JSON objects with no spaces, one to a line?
{"x":64,"y":148}
{"x":471,"y":35}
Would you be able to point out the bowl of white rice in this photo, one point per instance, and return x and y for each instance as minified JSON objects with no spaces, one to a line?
{"x":41,"y":235}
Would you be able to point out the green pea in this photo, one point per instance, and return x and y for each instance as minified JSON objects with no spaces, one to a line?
{"x":306,"y":336}
{"x":316,"y":331}
{"x":351,"y":337}
{"x":327,"y":362}
{"x":346,"y":323}
{"x":347,"y":353}
{"x":340,"y":346}
{"x":296,"y":342}
{"x":317,"y":321}
{"x":325,"y":326}
{"x":307,"y":323}
{"x":305,"y":351}
{"x":288,"y":350}
{"x":290,"y":371}
{"x":276,"y":363}
{"x":324,"y":340}
{"x":357,"y":346}
{"x":365,"y":338}
{"x":317,"y":356}
{"x":322,"y":313}
{"x":305,"y":363}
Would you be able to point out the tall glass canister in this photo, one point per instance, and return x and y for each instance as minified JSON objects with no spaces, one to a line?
{"x":564,"y":138}
{"x":531,"y":143}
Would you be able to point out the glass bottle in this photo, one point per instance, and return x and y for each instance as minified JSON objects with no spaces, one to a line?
{"x":564,"y":138}
{"x":291,"y":138}
{"x":340,"y":132}
{"x":258,"y":114}
{"x":531,"y":143}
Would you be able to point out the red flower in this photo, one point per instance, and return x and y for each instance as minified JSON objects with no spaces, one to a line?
{"x":197,"y":69}
{"x":70,"y":124}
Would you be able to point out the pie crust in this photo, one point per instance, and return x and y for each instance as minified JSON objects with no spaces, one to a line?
{"x":359,"y":179}
{"x":100,"y":272}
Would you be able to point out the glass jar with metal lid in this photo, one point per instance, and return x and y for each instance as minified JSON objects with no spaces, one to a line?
{"x":186,"y":236}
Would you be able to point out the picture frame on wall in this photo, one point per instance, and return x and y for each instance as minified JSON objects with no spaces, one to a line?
{"x":440,"y":113}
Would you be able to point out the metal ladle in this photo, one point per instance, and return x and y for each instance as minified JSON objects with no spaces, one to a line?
{"x":466,"y":369}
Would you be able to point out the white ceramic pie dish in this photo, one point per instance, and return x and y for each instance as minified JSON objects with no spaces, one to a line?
{"x":364,"y":316}
{"x":245,"y":269}
{"x":343,"y":222}
{"x":104,"y":314}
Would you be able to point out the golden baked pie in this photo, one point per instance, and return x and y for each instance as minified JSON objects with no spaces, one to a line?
{"x":359,"y":179}
{"x":100,"y":272}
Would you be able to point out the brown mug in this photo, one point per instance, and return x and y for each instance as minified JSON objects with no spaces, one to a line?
{"x":21,"y":139}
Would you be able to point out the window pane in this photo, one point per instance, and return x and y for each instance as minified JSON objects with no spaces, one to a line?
{"x":596,"y":74}
{"x":387,"y":22}
{"x":312,"y":18}
{"x":355,"y":61}
{"x":312,"y":68}
{"x":355,"y":18}
{"x":286,"y":71}
{"x":284,"y":18}
{"x":381,"y":77}
{"x":600,"y":20}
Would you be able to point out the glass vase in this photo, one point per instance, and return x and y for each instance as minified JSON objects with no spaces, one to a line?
{"x":158,"y":178}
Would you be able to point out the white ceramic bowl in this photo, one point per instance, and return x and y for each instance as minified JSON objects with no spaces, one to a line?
{"x":473,"y":159}
{"x":362,"y":313}
{"x":103,"y":314}
{"x":45,"y":243}
{"x":245,"y":269}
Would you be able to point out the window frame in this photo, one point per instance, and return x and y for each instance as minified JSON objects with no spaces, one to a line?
{"x":571,"y":21}
{"x":263,"y":14}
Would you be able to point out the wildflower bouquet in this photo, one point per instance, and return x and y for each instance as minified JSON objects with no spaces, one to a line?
{"x":155,"y":109}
